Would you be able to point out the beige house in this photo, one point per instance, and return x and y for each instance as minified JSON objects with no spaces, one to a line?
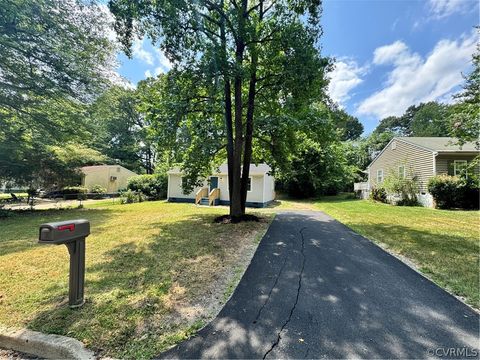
{"x":420,"y":158}
{"x":214,"y":190}
{"x":111,"y":177}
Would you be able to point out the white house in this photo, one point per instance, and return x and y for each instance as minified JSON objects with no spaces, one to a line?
{"x":111,"y":177}
{"x":214,"y":190}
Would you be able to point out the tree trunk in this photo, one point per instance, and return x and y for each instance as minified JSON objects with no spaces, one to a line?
{"x":229,"y":128}
{"x":236,"y":193}
{"x":247,"y":157}
{"x":236,"y":198}
{"x":149,"y":160}
{"x":228,"y":107}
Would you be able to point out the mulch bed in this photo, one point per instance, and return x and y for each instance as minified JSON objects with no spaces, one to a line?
{"x":227,"y":219}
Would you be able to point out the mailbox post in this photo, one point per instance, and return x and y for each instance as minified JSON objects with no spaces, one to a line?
{"x":71,"y":233}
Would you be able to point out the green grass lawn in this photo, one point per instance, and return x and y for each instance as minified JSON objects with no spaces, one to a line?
{"x":157,"y":271}
{"x":154,"y":273}
{"x":443,"y":244}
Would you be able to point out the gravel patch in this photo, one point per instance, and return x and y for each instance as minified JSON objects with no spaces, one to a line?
{"x":15,"y":355}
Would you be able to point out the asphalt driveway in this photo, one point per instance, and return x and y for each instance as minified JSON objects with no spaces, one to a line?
{"x":316,"y":289}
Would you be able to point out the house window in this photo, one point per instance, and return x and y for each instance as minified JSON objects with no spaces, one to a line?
{"x":379,"y":176}
{"x":401,"y":172}
{"x":394,"y":145}
{"x":459,"y":167}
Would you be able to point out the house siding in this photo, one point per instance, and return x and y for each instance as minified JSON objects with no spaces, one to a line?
{"x":444,"y":162}
{"x":175,"y":188}
{"x":257,"y":195}
{"x":269,"y":188}
{"x":418,"y":163}
{"x":101,"y":175}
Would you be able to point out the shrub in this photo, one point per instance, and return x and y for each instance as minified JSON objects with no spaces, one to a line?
{"x":130,"y":197}
{"x":72,"y":192}
{"x":469,"y":193}
{"x":444,"y":189}
{"x":378,"y":194}
{"x":154,"y":187}
{"x":98,"y":191}
{"x":454,"y":192}
{"x":81,"y":196}
{"x":406,"y":188}
{"x":6,"y":213}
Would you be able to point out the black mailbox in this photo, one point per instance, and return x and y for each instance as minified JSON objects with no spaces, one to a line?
{"x":71,"y":233}
{"x":63,"y":232}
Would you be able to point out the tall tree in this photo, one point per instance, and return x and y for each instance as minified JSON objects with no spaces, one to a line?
{"x":425,"y":119}
{"x":120,"y":131}
{"x":349,"y":126}
{"x":51,"y":48}
{"x":54,"y":58}
{"x":430,"y":119}
{"x":229,"y":57}
{"x":465,"y":115}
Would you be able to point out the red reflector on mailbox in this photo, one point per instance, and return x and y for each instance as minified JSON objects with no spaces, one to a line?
{"x":70,"y":227}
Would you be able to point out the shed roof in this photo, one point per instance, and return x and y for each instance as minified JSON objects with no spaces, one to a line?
{"x":101,"y":167}
{"x":440,"y":144}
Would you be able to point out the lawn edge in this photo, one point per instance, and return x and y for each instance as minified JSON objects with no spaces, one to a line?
{"x":406,"y":261}
{"x":48,"y":346}
{"x":236,"y":279}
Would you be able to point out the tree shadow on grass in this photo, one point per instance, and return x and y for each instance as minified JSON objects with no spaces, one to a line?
{"x":316,"y":289}
{"x":451,"y":260}
{"x":20,"y":233}
{"x":139,"y":296}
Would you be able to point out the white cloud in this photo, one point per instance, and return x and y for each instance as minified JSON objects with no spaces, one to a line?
{"x":345,"y":76}
{"x":389,"y":53}
{"x":164,"y":64}
{"x":443,"y":8}
{"x":415,"y":79}
{"x":139,"y":52}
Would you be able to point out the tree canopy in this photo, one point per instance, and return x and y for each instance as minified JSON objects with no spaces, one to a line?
{"x":465,"y":115}
{"x":120,"y":130}
{"x":243,"y":71}
{"x":248,"y":85}
{"x":54,"y":58}
{"x":52,"y":49}
{"x":425,"y":119}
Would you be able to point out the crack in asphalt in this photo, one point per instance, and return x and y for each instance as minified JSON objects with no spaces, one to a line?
{"x":271,"y":290}
{"x":300,"y":276}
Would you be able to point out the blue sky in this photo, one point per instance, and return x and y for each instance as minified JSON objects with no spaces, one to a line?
{"x":390,"y":54}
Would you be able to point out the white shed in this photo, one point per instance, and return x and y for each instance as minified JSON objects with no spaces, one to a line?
{"x":214,"y":190}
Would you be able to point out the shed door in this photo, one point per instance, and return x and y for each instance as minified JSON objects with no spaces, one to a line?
{"x":213,"y":182}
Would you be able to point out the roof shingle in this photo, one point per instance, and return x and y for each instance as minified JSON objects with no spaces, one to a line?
{"x":440,"y":144}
